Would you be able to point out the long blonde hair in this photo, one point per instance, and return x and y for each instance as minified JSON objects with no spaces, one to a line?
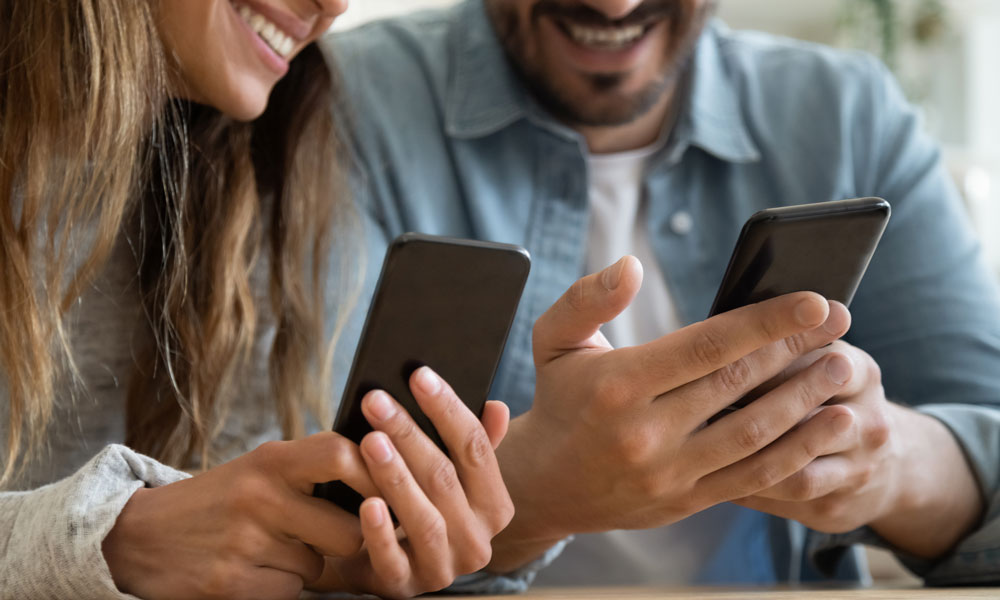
{"x":90,"y":139}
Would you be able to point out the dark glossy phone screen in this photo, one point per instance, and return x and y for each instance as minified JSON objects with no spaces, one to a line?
{"x":441,"y":302}
{"x":823,"y":248}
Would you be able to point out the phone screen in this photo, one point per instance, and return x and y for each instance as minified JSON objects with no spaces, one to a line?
{"x":823,"y":247}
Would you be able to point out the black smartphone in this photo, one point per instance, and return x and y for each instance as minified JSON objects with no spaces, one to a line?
{"x":440,"y":302}
{"x":823,"y":247}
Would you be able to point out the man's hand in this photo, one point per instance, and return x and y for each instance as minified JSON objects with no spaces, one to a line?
{"x":884,"y":465}
{"x":618,"y":438}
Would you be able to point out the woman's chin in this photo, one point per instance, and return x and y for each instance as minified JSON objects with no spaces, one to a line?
{"x":244,"y":109}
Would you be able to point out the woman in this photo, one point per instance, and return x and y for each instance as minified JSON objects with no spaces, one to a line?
{"x":168,"y":196}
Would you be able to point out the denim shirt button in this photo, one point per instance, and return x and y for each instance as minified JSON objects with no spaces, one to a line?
{"x":681,"y":223}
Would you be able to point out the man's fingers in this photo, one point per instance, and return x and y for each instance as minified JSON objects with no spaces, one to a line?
{"x":821,"y":477}
{"x":747,"y":431}
{"x":702,"y":348}
{"x":574,"y":320}
{"x":757,"y":373}
{"x":780,"y":460}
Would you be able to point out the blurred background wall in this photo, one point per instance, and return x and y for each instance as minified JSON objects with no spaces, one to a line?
{"x":945,"y":53}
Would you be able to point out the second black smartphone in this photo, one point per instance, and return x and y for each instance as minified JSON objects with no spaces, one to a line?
{"x":823,"y":247}
{"x":440,"y":302}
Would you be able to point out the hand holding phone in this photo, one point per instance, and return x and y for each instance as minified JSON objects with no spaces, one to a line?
{"x":445,"y":303}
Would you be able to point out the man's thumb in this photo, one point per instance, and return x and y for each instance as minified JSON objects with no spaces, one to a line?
{"x":572,"y":322}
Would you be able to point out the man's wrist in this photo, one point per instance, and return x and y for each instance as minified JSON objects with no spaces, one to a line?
{"x":530,"y":534}
{"x":937,"y":499}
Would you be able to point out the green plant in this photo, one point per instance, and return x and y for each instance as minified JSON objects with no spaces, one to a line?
{"x":883,"y":25}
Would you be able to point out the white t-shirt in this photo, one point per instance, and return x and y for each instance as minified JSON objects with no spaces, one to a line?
{"x":669,"y":555}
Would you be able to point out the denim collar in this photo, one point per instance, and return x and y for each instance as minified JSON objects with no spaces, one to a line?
{"x":485,"y":95}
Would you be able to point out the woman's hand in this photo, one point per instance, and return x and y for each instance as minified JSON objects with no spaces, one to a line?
{"x":449,"y":509}
{"x":247,"y":529}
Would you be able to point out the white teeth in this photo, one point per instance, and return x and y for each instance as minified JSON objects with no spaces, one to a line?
{"x":281,"y":43}
{"x":605,"y":38}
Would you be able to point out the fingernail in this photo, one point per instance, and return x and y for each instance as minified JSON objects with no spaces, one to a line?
{"x":379,"y":450}
{"x":831,"y":325}
{"x":376,"y":516}
{"x":380,"y":406}
{"x":428,"y":381}
{"x":807,"y":313}
{"x":839,"y":369}
{"x":612,"y":276}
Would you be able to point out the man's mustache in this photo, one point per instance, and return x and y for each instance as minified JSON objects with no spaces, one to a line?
{"x":647,"y":12}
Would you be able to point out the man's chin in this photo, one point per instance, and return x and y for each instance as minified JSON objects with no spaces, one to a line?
{"x":602,"y":101}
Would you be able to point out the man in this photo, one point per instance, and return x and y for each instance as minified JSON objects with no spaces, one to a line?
{"x":590,"y":129}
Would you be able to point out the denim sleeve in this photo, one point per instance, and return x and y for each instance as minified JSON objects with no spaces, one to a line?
{"x":929,"y":314}
{"x":515,"y":582}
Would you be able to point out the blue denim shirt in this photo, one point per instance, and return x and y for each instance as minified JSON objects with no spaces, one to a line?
{"x":448,"y":142}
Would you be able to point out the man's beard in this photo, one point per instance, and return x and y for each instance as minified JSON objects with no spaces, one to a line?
{"x":613,"y":107}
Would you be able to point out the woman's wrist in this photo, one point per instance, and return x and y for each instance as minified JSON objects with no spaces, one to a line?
{"x":118,"y":546}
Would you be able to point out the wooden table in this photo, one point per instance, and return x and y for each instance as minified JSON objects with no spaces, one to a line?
{"x":641,"y":593}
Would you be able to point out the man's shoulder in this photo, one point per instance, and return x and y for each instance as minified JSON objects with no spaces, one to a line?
{"x":768,"y":53}
{"x":767,"y":65}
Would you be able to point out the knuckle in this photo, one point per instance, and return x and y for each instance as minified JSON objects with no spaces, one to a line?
{"x":438,"y":579}
{"x":878,"y":430}
{"x":807,"y":391}
{"x":269,"y":452}
{"x":770,"y":329}
{"x":830,"y":509}
{"x":451,"y":406}
{"x":477,"y":448}
{"x":633,"y":448}
{"x":432,"y":528}
{"x":251,"y":493}
{"x":504,"y":513}
{"x":404,"y":430}
{"x":805,"y":486}
{"x":796,"y":344}
{"x":752,"y":434}
{"x":475,"y":555}
{"x":220,"y":580}
{"x":734,"y":377}
{"x":341,"y":455}
{"x":872,"y":371}
{"x":395,"y":575}
{"x":865,"y":475}
{"x":763,"y":476}
{"x":576,"y":296}
{"x":444,"y":479}
{"x":397,"y":478}
{"x":708,"y":348}
{"x":244,"y":542}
